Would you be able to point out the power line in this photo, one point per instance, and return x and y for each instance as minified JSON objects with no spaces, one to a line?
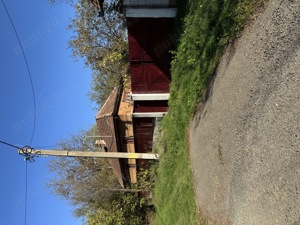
{"x":8,"y":144}
{"x":34,"y":109}
{"x":29,"y":73}
{"x":26,"y":175}
{"x":26,"y":194}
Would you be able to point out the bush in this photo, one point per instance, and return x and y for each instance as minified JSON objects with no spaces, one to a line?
{"x":126,"y":210}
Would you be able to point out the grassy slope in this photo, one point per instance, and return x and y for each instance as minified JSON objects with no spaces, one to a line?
{"x":205,"y":27}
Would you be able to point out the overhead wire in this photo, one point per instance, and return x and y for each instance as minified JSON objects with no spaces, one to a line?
{"x":26,"y":192}
{"x":28,"y":70}
{"x":26,"y":177}
{"x":34,"y":106}
{"x":34,"y":109}
{"x":8,"y":144}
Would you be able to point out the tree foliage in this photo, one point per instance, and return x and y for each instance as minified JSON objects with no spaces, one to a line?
{"x":91,"y":186}
{"x":126,"y":210}
{"x":84,"y":182}
{"x":102,"y":42}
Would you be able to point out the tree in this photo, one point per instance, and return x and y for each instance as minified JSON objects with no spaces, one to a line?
{"x":91,"y":186}
{"x":102,"y":42}
{"x":125,"y":210}
{"x":84,"y":182}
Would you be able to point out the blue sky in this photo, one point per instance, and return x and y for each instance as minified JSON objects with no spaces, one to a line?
{"x":61,"y":87}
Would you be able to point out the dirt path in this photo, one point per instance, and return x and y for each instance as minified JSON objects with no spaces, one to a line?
{"x":245,"y":140}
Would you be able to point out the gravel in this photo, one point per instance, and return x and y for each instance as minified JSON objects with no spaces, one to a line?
{"x":245,"y":139}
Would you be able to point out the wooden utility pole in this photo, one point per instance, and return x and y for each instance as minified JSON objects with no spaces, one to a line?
{"x":124,"y":155}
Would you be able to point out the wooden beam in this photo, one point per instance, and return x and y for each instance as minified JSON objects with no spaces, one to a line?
{"x":150,"y":97}
{"x":150,"y":12}
{"x":148,"y":114}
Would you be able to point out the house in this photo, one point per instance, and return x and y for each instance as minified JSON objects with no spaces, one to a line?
{"x":114,"y":123}
{"x":150,"y":26}
{"x":129,"y":118}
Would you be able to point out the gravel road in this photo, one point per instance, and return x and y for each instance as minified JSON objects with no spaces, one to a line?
{"x":245,"y":138}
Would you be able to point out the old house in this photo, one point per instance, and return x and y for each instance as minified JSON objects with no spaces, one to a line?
{"x":129,"y":118}
{"x":150,"y":26}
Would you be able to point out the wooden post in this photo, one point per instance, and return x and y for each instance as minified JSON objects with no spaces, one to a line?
{"x":125,"y":155}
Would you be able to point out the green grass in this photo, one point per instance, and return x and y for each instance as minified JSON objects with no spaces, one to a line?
{"x":204,"y":28}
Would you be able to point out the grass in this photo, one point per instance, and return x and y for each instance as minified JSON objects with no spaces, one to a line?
{"x":203,"y":28}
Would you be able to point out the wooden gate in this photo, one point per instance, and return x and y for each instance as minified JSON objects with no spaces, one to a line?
{"x":150,"y":42}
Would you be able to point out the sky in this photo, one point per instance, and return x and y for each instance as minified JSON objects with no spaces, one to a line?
{"x":62,"y":107}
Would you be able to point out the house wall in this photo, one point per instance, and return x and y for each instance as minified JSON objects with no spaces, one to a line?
{"x":150,"y":42}
{"x":150,"y":35}
{"x":143,"y":137}
{"x":150,"y":106}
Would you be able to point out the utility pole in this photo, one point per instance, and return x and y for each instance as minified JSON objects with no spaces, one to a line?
{"x":29,"y":152}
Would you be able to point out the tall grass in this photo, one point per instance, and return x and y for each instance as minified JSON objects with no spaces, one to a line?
{"x":204,"y":28}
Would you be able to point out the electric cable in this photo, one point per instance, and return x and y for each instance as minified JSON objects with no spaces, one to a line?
{"x":11,"y":145}
{"x":28,"y":70}
{"x":27,"y":158}
{"x":34,"y":109}
{"x":26,"y":189}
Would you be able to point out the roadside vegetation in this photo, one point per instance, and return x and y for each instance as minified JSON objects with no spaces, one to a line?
{"x":203,"y":29}
{"x":91,"y":187}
